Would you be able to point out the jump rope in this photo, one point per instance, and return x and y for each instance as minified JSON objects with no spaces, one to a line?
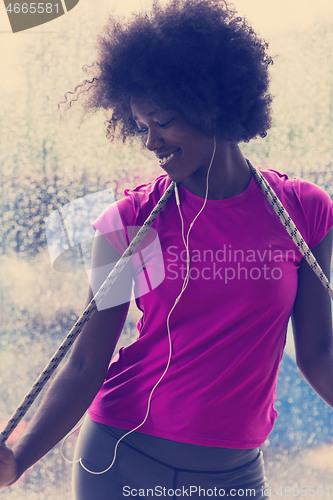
{"x":284,"y":218}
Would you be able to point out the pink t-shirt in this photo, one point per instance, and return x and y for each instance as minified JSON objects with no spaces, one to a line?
{"x":229,"y":328}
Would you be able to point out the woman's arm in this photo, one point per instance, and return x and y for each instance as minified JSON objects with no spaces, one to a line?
{"x":312,"y":324}
{"x":75,"y":386}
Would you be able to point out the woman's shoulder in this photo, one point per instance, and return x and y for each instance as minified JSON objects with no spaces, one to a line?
{"x":305,"y":201}
{"x":135,"y":202}
{"x":150,"y":191}
{"x":305,"y":191}
{"x":140,"y":201}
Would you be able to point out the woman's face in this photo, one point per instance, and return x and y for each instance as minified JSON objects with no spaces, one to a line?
{"x":181,"y":149}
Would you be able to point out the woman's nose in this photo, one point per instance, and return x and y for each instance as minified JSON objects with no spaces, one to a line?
{"x":154,"y":140}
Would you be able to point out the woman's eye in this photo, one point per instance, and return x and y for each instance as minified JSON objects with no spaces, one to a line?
{"x":142,"y":130}
{"x":166,"y":124}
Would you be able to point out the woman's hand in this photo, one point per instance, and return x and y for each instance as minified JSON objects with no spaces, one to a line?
{"x":8,"y":469}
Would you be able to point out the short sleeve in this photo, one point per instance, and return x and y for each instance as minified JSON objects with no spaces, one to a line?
{"x":113,"y":223}
{"x":119,"y":224}
{"x":317,"y":207}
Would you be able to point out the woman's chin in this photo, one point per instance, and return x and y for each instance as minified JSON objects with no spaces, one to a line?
{"x":175,"y":176}
{"x":172,"y":177}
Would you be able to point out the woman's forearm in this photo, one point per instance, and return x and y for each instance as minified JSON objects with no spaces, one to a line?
{"x":73,"y":389}
{"x":66,"y":400}
{"x":318,"y":372}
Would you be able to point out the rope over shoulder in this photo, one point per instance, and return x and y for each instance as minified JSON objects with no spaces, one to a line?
{"x":291,"y":229}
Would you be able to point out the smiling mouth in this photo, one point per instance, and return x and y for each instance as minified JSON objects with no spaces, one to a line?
{"x":163,"y":160}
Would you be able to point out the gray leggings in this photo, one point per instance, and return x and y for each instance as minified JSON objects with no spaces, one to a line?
{"x":151,"y":467}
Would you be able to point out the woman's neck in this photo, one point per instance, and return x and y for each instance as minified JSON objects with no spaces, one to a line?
{"x":229,"y":176}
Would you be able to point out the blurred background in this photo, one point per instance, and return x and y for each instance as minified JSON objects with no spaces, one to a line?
{"x":48,"y":160}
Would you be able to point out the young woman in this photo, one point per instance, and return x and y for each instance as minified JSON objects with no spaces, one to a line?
{"x":217,"y":280}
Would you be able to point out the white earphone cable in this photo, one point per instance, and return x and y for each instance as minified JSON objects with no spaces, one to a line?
{"x":185,"y":283}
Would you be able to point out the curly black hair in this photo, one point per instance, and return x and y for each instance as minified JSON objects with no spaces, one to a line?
{"x":195,"y":56}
